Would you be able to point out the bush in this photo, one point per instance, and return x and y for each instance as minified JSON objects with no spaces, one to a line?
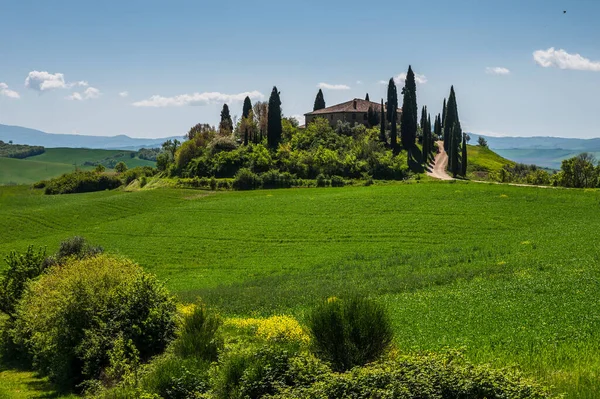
{"x":420,"y":377}
{"x":81,"y":182}
{"x":120,"y":167}
{"x":77,"y":247}
{"x":21,"y":269}
{"x":198,"y":335}
{"x":245,"y":179}
{"x":221,"y":143}
{"x":72,"y":317}
{"x":337,"y":181}
{"x":322,"y":181}
{"x":175,"y":378}
{"x":256,"y":373}
{"x":275,"y":179}
{"x":350,"y":332}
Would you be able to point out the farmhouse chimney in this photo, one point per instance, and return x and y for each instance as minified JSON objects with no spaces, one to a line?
{"x":354,"y":103}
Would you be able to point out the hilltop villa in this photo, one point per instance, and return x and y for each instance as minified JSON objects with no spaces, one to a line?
{"x":354,"y":111}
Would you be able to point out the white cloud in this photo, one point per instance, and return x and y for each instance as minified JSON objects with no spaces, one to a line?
{"x":383,"y":82}
{"x":359,"y":82}
{"x":563,"y":60}
{"x":81,"y":83}
{"x":88,"y":94}
{"x":400,"y":79}
{"x":332,"y":87}
{"x":42,"y":81}
{"x":6,"y":92}
{"x":124,"y":94}
{"x":197,"y":99}
{"x":497,"y":71}
{"x":75,"y":96}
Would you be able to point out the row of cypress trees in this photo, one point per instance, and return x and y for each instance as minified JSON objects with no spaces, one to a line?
{"x":454,"y":139}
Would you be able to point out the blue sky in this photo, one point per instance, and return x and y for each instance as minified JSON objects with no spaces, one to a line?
{"x":155,"y":68}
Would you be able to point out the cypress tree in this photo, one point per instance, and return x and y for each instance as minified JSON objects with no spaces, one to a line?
{"x":372,"y":117}
{"x":429,"y":135}
{"x":443,"y":113}
{"x":274,"y":128}
{"x":450,"y":119}
{"x":408,"y":126}
{"x":247,"y":107}
{"x":382,"y":127}
{"x":319,"y":101}
{"x":367,"y":97}
{"x":226,"y":125}
{"x":392,"y":113}
{"x":455,"y":140}
{"x":463,"y":160}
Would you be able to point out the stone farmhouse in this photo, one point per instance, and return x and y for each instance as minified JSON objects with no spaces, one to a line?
{"x":354,"y":111}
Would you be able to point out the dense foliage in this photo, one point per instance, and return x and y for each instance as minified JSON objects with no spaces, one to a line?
{"x":350,"y":332}
{"x":86,"y":315}
{"x":19,"y":151}
{"x":349,"y":152}
{"x":148,"y":154}
{"x":88,"y":181}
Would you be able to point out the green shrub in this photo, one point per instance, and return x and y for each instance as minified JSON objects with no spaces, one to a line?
{"x":77,"y":247}
{"x":420,"y":377}
{"x":40,"y":184}
{"x":120,"y":167}
{"x":350,"y":332}
{"x":72,"y":317}
{"x":175,"y":378}
{"x":136,"y":173}
{"x":198,"y":335}
{"x":81,"y":182}
{"x":275,"y":179}
{"x":322,"y":181}
{"x":143,"y":181}
{"x":21,"y":269}
{"x":245,"y":179}
{"x":337,"y":181}
{"x":213,"y":184}
{"x":255,"y":373}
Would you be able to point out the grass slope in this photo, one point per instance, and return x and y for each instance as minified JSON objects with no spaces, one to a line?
{"x":56,"y":161}
{"x":483,"y":161}
{"x":25,"y":171}
{"x":511,"y":274}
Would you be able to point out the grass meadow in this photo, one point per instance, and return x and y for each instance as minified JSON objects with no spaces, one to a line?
{"x":509,"y":275}
{"x":56,"y":161}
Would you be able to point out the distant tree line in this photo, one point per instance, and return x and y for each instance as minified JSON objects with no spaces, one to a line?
{"x":19,"y":151}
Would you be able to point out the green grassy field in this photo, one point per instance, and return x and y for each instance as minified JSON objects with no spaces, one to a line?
{"x":56,"y":161}
{"x":509,"y":274}
{"x":483,"y":161}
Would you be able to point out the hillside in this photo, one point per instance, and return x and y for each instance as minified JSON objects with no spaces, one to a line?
{"x":483,"y":161}
{"x":499,"y":279}
{"x":56,"y":161}
{"x":22,"y":135}
{"x":547,"y":152}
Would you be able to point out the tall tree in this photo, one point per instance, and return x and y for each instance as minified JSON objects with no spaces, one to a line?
{"x":226,"y":125}
{"x":382,"y":137}
{"x":247,"y":107}
{"x":463,"y":159}
{"x":453,"y":157}
{"x":408,"y":126}
{"x":274,"y":128}
{"x":443,"y":113}
{"x":367,"y":97}
{"x":392,"y":113}
{"x":372,"y":117}
{"x":450,"y":119}
{"x":319,"y":101}
{"x":260,"y":112}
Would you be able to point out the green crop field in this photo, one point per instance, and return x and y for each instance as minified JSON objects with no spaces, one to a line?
{"x":56,"y":161}
{"x":511,"y":275}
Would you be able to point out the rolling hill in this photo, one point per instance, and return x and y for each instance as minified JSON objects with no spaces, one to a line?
{"x":22,"y":135}
{"x":547,"y":152}
{"x":56,"y":161}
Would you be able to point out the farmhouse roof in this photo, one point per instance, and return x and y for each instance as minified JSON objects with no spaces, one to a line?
{"x":356,"y":105}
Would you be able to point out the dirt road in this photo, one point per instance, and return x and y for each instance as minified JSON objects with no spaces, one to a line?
{"x":438,"y":170}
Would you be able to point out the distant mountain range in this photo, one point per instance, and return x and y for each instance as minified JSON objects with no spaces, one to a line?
{"x":547,"y":152}
{"x":22,"y":135}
